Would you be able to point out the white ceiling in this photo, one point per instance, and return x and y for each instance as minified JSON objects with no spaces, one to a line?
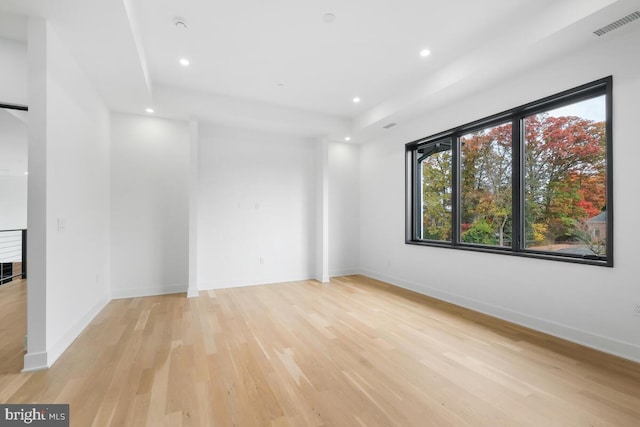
{"x":244,"y":49}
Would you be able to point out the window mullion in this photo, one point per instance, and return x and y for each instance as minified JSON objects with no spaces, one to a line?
{"x":455,"y":190}
{"x":517,"y":181}
{"x":417,"y":197}
{"x":609,"y":169}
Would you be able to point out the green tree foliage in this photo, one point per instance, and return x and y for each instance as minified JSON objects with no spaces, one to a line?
{"x":565,"y":183}
{"x":436,"y":196}
{"x":565,"y":174}
{"x":480,"y":232}
{"x":486,"y":185}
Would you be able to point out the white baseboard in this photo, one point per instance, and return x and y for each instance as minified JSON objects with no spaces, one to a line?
{"x":35,"y":362}
{"x":193,"y":292}
{"x":608,"y":345}
{"x":228,"y":284}
{"x":63,"y":343}
{"x":147,"y":292}
{"x":344,"y":272}
{"x":44,"y":360}
{"x":323,"y":279}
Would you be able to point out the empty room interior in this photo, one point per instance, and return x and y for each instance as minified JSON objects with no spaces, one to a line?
{"x":363,"y":213}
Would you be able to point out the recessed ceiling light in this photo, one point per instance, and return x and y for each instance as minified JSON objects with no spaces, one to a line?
{"x":184,"y":62}
{"x":149,"y":110}
{"x":328,"y":18}
{"x":26,"y":173}
{"x":356,"y":100}
{"x":425,"y":52}
{"x":347,"y":138}
{"x":280,"y":85}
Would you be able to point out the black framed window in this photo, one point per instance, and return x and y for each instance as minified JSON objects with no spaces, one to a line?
{"x":434,"y":162}
{"x":532,"y":181}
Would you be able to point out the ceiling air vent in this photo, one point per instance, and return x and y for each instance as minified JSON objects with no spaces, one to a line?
{"x":389,"y":126}
{"x":617,"y":24}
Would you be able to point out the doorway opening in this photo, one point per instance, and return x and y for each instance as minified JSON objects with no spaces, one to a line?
{"x":13,"y":235}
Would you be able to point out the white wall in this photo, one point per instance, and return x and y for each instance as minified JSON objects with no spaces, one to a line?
{"x":68,"y":198}
{"x":77,"y":195}
{"x":244,"y":114}
{"x":256,"y":215}
{"x":149,"y":205}
{"x":587,"y":304}
{"x":14,"y":142}
{"x":13,"y":135}
{"x":14,"y":74}
{"x":344,"y":208}
{"x":13,"y":202}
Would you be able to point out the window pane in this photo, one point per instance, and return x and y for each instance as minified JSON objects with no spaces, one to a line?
{"x":485,"y":184}
{"x":565,"y":179}
{"x":434,"y":161}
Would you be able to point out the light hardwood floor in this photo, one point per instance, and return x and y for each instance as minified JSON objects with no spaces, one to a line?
{"x":356,"y":352}
{"x":13,"y":327}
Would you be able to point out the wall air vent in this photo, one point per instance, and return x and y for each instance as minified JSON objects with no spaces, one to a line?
{"x":389,"y":126}
{"x":617,"y":24}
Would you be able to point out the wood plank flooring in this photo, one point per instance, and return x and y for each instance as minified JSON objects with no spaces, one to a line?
{"x":356,"y":352}
{"x":13,"y":326}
